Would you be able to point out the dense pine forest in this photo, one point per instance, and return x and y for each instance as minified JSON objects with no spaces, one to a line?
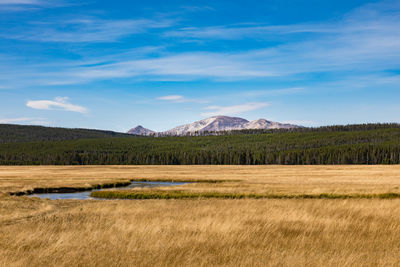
{"x":352,"y":144}
{"x":10,"y":133}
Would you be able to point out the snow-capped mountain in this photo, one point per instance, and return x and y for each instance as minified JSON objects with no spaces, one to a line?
{"x":217,"y":124}
{"x":139,"y":130}
{"x":264,"y":124}
{"x":213,"y":124}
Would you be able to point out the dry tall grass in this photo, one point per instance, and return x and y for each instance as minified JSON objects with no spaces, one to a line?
{"x":205,"y":233}
{"x":208,"y":232}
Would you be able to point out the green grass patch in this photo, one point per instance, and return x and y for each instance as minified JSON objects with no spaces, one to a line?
{"x":200,"y":195}
{"x":209,"y":181}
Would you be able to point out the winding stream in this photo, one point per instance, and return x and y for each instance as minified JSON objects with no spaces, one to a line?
{"x":86,"y":194}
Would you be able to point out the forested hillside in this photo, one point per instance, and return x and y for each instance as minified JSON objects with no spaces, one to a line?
{"x":10,"y":133}
{"x":354,"y":144}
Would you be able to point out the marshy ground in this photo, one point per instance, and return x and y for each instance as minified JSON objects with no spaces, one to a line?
{"x":203,"y":231}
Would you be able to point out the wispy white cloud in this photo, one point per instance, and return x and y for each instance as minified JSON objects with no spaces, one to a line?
{"x":20,"y":2}
{"x":357,"y":82}
{"x":235,"y":32}
{"x":181,"y":99}
{"x":27,"y":120}
{"x":365,"y":40}
{"x":181,"y":67}
{"x":197,"y":8}
{"x":233,"y":110}
{"x":273,"y":92}
{"x":258,"y":64}
{"x":172,"y":98}
{"x":373,"y":17}
{"x":30,"y":5}
{"x":59,"y":103}
{"x":82,"y":30}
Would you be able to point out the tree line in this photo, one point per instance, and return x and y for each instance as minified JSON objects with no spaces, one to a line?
{"x":11,"y":133}
{"x":369,"y":144}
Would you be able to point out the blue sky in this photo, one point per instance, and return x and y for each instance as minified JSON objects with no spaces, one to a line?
{"x":116,"y":64}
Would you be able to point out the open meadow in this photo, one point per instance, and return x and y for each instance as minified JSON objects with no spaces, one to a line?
{"x":203,"y":231}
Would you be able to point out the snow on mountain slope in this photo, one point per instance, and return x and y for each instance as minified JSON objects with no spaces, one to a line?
{"x":217,"y":124}
{"x":213,"y":124}
{"x":139,"y":130}
{"x":264,"y":124}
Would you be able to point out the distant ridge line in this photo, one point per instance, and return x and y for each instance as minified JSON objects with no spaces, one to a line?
{"x":215,"y":124}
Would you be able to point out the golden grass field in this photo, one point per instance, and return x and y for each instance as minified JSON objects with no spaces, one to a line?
{"x":203,"y":232}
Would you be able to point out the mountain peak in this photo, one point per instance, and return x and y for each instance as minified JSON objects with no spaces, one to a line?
{"x":140,"y":130}
{"x":213,"y":124}
{"x":216,"y":124}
